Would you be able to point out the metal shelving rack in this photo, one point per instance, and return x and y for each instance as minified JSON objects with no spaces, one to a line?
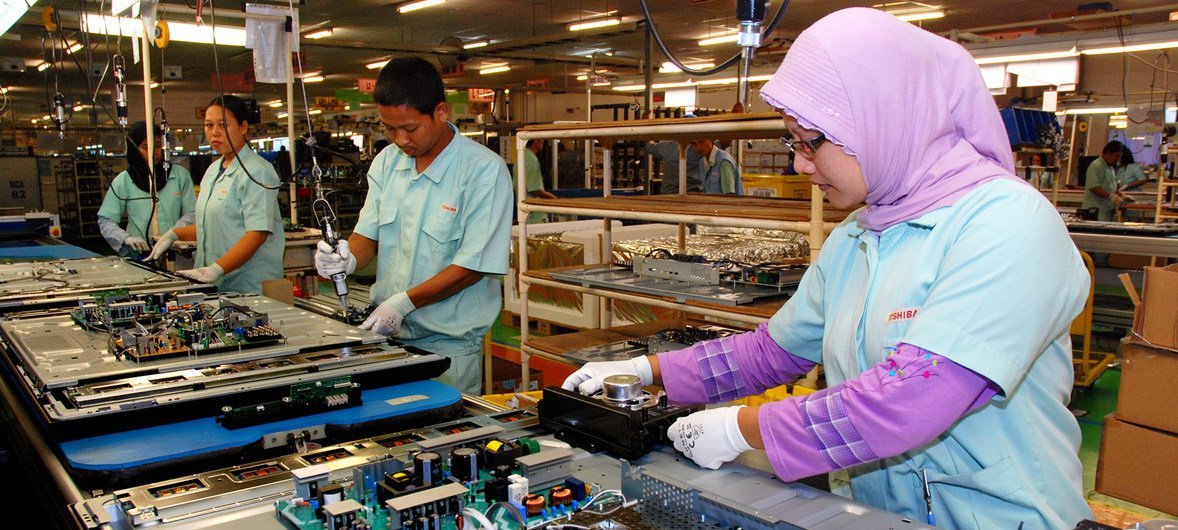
{"x":780,"y":214}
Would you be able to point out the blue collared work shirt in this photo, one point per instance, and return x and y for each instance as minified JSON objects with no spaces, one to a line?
{"x":992,"y":283}
{"x":229,"y":205}
{"x":458,"y":212}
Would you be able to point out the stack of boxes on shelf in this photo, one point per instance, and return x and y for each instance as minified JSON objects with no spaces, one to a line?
{"x":763,"y":171}
{"x":1137,"y":461}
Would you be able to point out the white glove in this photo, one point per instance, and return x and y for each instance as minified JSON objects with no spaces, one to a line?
{"x":138,"y":244}
{"x":387,"y":317}
{"x":329,"y":262}
{"x":587,"y":380}
{"x":162,"y":245}
{"x":1117,"y":199}
{"x":709,"y":437}
{"x":208,"y":274}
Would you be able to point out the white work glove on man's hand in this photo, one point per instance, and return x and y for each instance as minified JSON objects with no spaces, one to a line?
{"x":588,"y":379}
{"x":387,"y":317}
{"x":329,"y":262}
{"x":162,"y":245}
{"x":208,"y":274}
{"x":709,"y":437}
{"x":138,"y":244}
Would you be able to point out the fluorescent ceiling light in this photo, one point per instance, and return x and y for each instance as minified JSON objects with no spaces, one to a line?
{"x":1043,"y":56}
{"x":43,"y":66}
{"x":74,"y":49}
{"x":422,"y":4}
{"x":600,"y":23}
{"x":78,"y":108}
{"x":313,"y":79}
{"x":718,"y":40}
{"x":11,"y":11}
{"x":319,"y":34}
{"x":178,"y":31}
{"x":377,"y":65}
{"x":315,"y":111}
{"x":1131,"y":48}
{"x":475,"y":44}
{"x":155,"y":84}
{"x":583,"y":77}
{"x":670,"y":68}
{"x":282,"y":115}
{"x":471,"y":133}
{"x":494,"y":69}
{"x":921,"y":15}
{"x":120,"y":7}
{"x":276,"y":104}
{"x":45,"y":117}
{"x":1097,"y":110}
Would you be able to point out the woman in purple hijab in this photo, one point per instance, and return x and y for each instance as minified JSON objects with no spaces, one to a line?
{"x":939,"y":311}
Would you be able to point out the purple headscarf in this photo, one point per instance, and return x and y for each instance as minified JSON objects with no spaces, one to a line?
{"x":910,"y":105}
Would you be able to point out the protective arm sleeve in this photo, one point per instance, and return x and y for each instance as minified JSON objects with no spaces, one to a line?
{"x":900,"y":405}
{"x":729,"y":368}
{"x":112,"y":233}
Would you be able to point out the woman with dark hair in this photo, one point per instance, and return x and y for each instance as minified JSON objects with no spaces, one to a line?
{"x":1129,"y":173}
{"x":238,"y":232}
{"x":130,"y":194}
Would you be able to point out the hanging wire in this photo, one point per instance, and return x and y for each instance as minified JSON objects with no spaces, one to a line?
{"x":718,"y":68}
{"x":221,"y":91}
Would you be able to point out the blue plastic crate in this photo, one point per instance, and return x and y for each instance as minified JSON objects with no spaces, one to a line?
{"x":1022,"y":125}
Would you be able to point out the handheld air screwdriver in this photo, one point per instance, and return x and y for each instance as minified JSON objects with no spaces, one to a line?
{"x":332,"y":238}
{"x":326,"y":217}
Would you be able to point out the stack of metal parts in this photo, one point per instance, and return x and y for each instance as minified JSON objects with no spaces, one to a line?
{"x":747,"y":245}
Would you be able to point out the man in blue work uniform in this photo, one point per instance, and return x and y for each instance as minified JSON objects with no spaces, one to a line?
{"x":438,"y":212}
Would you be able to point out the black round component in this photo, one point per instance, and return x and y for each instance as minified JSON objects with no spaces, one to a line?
{"x":502,"y":471}
{"x":427,"y":467}
{"x":464,"y":464}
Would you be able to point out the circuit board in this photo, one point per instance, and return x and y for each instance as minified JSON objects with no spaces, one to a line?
{"x":369,"y":512}
{"x":509,"y":483}
{"x":304,"y":398}
{"x":147,"y":327}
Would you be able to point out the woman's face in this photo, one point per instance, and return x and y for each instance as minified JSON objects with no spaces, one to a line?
{"x":835,"y":172}
{"x":159,"y":150}
{"x":222,"y":129}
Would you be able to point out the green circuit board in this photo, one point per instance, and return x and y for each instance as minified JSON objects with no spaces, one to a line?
{"x":371,"y":513}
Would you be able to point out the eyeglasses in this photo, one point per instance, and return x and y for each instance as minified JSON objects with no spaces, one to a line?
{"x":807,"y":148}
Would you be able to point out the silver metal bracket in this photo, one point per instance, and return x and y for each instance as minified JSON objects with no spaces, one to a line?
{"x":296,"y":439}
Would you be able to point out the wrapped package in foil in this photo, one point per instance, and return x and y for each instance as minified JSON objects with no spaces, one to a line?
{"x":736,"y":247}
{"x":546,"y":252}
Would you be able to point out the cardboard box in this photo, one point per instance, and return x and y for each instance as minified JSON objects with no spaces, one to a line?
{"x":1156,"y":319}
{"x":1139,"y":465}
{"x":505,"y":377}
{"x":1148,"y":379}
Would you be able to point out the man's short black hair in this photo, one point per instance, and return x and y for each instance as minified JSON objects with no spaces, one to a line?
{"x":411,"y":81}
{"x":1113,"y":147}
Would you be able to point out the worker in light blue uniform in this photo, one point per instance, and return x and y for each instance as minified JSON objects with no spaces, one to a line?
{"x":437,"y":218}
{"x":1101,"y":189}
{"x":947,"y":357}
{"x":130,"y":195}
{"x":981,"y":467}
{"x":238,"y":231}
{"x":720,"y":174}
